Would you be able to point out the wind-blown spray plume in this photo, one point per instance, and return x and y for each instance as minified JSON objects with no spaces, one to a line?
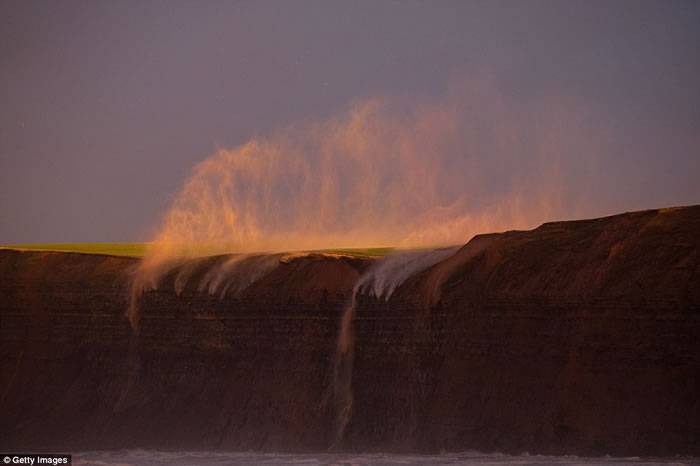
{"x":382,"y":280}
{"x":385,"y":173}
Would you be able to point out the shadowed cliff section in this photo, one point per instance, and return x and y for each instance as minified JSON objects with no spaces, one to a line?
{"x":576,"y":337}
{"x":250,"y":370}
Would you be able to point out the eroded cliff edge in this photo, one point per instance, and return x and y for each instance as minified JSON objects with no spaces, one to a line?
{"x":577,"y":337}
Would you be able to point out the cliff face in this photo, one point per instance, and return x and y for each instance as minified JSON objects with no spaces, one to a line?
{"x":576,"y":337}
{"x":251,"y":370}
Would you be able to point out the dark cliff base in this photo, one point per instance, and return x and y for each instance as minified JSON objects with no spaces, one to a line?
{"x":577,"y":337}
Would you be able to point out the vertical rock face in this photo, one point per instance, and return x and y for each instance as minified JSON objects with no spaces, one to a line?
{"x":64,"y":345}
{"x":576,"y":337}
{"x":251,"y":370}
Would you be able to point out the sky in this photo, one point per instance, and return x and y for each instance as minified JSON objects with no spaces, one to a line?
{"x":106,"y":106}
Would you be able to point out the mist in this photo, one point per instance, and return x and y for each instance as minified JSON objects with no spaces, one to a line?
{"x":419,"y":172}
{"x":106,"y":108}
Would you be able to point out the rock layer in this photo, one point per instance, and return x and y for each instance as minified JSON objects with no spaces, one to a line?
{"x":577,"y":337}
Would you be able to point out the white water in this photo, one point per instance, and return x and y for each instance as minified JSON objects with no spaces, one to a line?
{"x":231,"y":277}
{"x":388,"y":274}
{"x":161,"y":458}
{"x":237,"y":273}
{"x":381,"y":280}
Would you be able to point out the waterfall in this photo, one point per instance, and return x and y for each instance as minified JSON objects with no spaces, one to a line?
{"x":380,"y":281}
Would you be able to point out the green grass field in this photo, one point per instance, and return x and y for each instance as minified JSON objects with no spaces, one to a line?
{"x":139,"y":249}
{"x":114,"y":249}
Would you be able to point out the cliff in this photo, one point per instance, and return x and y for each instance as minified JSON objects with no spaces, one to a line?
{"x":577,"y":337}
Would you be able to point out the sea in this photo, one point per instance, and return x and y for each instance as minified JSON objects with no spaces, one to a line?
{"x":169,"y":458}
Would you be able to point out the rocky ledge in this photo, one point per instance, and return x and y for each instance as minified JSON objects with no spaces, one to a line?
{"x":578,"y":337}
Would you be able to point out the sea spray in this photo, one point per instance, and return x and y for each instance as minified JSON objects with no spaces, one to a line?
{"x":236,"y":274}
{"x":397,"y":172}
{"x":380,"y":281}
{"x":220,"y":276}
{"x":395,"y":269}
{"x":184,"y":274}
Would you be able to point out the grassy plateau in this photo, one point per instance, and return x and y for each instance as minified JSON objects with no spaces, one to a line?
{"x":113,"y":249}
{"x":139,"y":249}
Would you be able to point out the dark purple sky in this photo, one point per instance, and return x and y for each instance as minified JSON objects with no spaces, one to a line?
{"x":106,"y":106}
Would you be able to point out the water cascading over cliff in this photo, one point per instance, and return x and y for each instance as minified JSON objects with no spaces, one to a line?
{"x":388,"y":172}
{"x":379,"y":281}
{"x":576,"y":337}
